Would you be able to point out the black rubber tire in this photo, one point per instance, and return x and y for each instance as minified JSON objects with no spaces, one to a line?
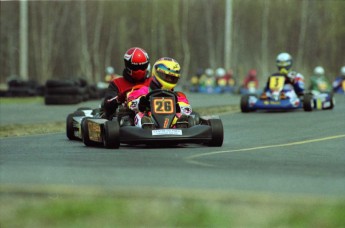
{"x":69,"y":125}
{"x":67,"y":90}
{"x":85,"y":133}
{"x":332,"y":101}
{"x":244,"y":103}
{"x":217,"y":133}
{"x":52,"y":83}
{"x":62,"y":99}
{"x":196,"y":117}
{"x":111,"y":135}
{"x":308,"y":103}
{"x":191,"y":121}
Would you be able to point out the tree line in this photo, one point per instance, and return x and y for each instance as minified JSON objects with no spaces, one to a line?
{"x":80,"y":38}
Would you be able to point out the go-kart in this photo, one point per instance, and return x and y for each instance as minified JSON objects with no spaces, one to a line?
{"x":339,"y":85}
{"x":278,"y":99}
{"x":315,"y":100}
{"x":250,"y":89}
{"x":96,"y":131}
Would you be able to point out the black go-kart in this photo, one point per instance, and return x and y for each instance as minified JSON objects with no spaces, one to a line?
{"x":86,"y":125}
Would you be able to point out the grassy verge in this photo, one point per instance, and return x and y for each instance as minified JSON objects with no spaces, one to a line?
{"x":21,"y":100}
{"x":31,"y":129}
{"x":166,"y":208}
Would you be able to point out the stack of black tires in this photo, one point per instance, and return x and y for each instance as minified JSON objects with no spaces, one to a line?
{"x":69,"y":91}
{"x":21,"y":88}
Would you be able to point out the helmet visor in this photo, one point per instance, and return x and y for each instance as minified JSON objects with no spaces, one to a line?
{"x":136,"y":67}
{"x":169,"y":78}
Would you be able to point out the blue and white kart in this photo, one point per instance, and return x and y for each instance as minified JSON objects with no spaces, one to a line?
{"x":282,"y":97}
{"x":278,"y":97}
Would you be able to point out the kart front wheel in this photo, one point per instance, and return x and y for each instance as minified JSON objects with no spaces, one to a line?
{"x":217,"y":133}
{"x":308,"y":102}
{"x":111,"y":135}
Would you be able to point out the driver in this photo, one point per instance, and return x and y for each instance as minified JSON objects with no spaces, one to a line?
{"x":165,"y":75}
{"x":294,"y":81}
{"x":137,"y":67}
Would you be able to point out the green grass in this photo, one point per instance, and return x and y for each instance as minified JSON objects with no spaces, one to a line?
{"x":166,"y":208}
{"x":21,"y":100}
{"x":31,"y":129}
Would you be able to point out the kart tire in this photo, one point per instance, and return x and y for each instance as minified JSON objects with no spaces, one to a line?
{"x":196,"y":117}
{"x":69,"y":125}
{"x":52,"y":83}
{"x":67,"y":90}
{"x":191,"y":121}
{"x":85,"y":133}
{"x":62,"y":99}
{"x":244,"y":103}
{"x":308,"y":102}
{"x":217,"y":133}
{"x":332,"y":100}
{"x":111,"y":134}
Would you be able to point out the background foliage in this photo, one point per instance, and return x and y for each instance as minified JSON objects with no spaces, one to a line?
{"x":74,"y":38}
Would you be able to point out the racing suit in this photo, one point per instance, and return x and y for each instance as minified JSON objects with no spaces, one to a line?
{"x":116,"y":94}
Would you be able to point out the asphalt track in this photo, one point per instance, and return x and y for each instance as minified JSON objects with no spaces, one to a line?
{"x":283,"y":152}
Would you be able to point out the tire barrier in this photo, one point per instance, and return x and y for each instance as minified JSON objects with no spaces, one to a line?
{"x":69,"y":91}
{"x":66,"y":91}
{"x":20,"y":88}
{"x":54,"y":91}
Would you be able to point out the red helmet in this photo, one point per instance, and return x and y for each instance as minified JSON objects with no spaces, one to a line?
{"x":136,"y":63}
{"x":252,"y":73}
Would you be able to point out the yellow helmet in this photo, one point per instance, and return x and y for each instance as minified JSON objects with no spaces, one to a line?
{"x":166,"y":71}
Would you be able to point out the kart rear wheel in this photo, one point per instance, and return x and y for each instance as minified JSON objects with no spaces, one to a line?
{"x":69,"y":125}
{"x":85,"y":133}
{"x":308,"y":102}
{"x":111,"y":135}
{"x":331,"y":100}
{"x":217,"y":133}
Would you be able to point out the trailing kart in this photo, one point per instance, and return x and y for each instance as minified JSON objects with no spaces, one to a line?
{"x":95,"y":131}
{"x":279,"y":100}
{"x":318,"y":101}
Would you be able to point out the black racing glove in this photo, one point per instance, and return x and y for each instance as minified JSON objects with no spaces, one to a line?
{"x":144,"y":104}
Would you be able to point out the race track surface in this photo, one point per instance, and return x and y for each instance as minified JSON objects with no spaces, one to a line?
{"x":283,"y":152}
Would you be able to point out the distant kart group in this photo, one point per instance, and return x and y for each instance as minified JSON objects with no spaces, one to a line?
{"x":85,"y":124}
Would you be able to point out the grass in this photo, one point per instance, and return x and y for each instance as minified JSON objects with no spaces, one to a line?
{"x":21,"y":100}
{"x":31,"y":129}
{"x":165,"y":208}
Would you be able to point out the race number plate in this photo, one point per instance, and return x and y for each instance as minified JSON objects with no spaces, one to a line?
{"x":163,"y":105}
{"x":167,"y":132}
{"x":277,"y":83}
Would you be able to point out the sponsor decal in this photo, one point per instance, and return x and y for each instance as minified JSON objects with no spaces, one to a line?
{"x":167,"y":132}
